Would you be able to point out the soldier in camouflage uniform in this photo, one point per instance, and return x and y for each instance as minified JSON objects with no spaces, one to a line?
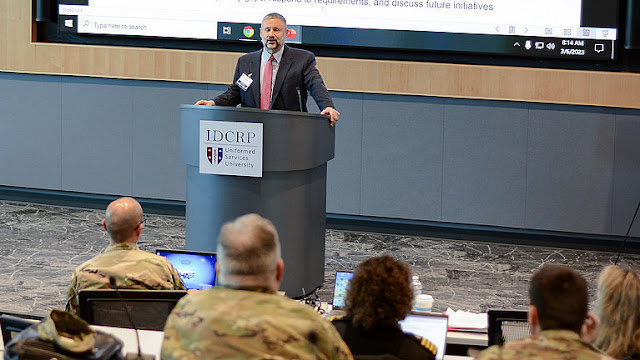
{"x":243,"y":317}
{"x":557,"y":319}
{"x":122,"y":260}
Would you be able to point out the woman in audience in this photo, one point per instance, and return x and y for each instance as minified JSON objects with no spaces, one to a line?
{"x":380,"y":295}
{"x":618,"y":307}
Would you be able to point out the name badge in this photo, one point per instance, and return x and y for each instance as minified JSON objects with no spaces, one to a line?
{"x":244,"y":81}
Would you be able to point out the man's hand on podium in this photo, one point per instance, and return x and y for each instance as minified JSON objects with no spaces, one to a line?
{"x":206,"y":102}
{"x":333,"y":113}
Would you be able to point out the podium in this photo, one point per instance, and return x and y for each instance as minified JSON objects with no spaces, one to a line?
{"x":291,"y":192}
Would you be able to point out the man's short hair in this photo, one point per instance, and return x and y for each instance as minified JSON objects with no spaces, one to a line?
{"x":275,"y":15}
{"x":379,"y":293}
{"x":248,"y":245}
{"x":560,"y":295}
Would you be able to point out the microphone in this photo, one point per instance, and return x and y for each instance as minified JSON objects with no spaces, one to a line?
{"x":299,"y":98}
{"x":130,"y":356}
{"x":627,"y":235}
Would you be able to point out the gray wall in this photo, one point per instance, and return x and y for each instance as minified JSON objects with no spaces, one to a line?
{"x":516,"y":165}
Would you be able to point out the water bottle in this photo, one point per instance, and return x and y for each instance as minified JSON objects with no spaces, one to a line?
{"x":421,"y":302}
{"x":417,"y":285}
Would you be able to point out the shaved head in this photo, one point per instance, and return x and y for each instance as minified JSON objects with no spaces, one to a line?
{"x":122,"y":219}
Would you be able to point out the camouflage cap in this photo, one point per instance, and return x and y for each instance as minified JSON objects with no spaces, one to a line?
{"x":67,"y":331}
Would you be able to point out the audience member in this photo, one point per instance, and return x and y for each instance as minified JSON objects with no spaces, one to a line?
{"x":618,"y":307}
{"x":122,"y":260}
{"x":379,"y":296}
{"x":243,"y":317}
{"x":558,"y":298}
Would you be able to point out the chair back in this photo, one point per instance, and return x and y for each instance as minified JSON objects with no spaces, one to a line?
{"x":507,"y":325}
{"x":148,"y":309}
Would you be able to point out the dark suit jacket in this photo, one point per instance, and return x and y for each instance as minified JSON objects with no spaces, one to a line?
{"x":297,"y":71}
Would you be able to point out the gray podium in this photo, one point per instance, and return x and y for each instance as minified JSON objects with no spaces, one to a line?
{"x":291,"y":192}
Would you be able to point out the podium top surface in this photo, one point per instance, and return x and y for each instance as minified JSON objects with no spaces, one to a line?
{"x":258,"y":111}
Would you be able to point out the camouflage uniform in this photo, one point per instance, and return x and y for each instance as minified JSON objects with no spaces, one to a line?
{"x":228,"y":323}
{"x":131,"y":267}
{"x":549,"y":344}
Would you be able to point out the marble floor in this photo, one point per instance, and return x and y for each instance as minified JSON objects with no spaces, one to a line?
{"x":41,"y":245}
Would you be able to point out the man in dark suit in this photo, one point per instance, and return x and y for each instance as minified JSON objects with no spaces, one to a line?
{"x":276,"y":77}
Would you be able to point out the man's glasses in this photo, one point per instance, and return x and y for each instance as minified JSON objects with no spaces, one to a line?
{"x":144,"y":221}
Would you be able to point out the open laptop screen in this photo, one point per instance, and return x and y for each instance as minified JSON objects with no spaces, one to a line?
{"x":196,"y":268}
{"x":432,"y":327}
{"x":340,"y":286}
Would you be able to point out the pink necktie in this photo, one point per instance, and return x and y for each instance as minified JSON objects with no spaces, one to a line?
{"x":265,"y":93}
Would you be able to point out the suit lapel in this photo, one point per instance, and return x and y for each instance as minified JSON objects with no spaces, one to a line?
{"x":285,"y":65}
{"x":255,"y":70}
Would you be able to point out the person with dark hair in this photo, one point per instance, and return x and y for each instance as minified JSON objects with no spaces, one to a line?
{"x":122,"y":260}
{"x":242,"y":317}
{"x":618,"y":307}
{"x":558,"y":298}
{"x":378,"y":297}
{"x":277,"y":76}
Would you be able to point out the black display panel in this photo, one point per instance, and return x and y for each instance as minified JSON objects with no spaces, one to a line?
{"x":558,"y":29}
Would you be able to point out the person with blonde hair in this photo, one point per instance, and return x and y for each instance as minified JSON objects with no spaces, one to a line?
{"x":618,"y":307}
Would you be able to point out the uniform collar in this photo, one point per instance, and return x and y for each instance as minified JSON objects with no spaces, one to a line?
{"x":121,"y":246}
{"x":248,"y":288}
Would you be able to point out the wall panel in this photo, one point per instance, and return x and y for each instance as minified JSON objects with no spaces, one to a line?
{"x":30,"y":127}
{"x":476,"y":162}
{"x":484,"y":162}
{"x":570,"y":169}
{"x":344,"y":172}
{"x":19,"y":54}
{"x":402,"y":164}
{"x":157,"y":169}
{"x":626,"y":173}
{"x":97,"y":135}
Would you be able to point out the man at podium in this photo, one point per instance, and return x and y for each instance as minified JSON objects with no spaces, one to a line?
{"x":277,"y":76}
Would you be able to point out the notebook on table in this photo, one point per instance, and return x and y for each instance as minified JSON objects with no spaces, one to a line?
{"x":196,"y":268}
{"x":431,"y":326}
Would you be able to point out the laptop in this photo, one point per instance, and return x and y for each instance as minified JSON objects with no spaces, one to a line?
{"x":431,"y":326}
{"x":196,"y":268}
{"x":340,"y":286}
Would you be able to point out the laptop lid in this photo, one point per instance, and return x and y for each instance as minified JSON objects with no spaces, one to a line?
{"x":431,"y":326}
{"x":196,"y":268}
{"x":340,"y":286}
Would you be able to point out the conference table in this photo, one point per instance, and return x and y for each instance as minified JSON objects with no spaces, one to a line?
{"x":463,"y":341}
{"x":151,"y":341}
